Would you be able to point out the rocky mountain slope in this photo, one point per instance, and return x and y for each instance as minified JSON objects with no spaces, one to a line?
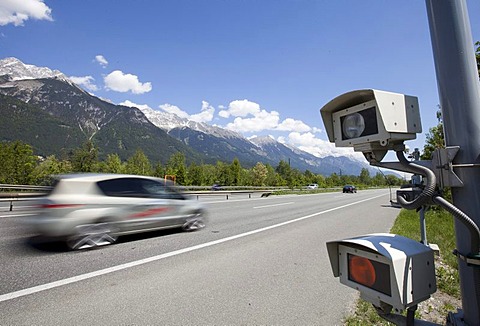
{"x":43,"y":107}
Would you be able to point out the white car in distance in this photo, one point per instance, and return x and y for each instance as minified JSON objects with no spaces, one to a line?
{"x":312,"y":186}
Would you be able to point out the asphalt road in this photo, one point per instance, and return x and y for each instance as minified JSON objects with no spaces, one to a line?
{"x":260,"y":261}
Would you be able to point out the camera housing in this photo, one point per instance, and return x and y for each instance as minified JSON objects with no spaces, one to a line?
{"x":389,"y":270}
{"x":371,"y":121}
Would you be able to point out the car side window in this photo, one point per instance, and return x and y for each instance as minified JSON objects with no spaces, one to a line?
{"x":137,"y":187}
{"x":121,"y":187}
{"x":158,"y":189}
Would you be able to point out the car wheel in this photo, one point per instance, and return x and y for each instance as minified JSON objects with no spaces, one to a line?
{"x":194,"y":223}
{"x":93,"y":235}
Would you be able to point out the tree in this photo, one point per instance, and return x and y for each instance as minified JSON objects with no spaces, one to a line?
{"x":309,"y":177}
{"x":159,"y":170}
{"x":221,"y":174}
{"x":320,"y":180}
{"x":210,"y":174}
{"x":17,"y":163}
{"x":295,"y":179}
{"x":235,"y":169}
{"x":273,"y":179}
{"x":195,"y":175}
{"x":365,"y":177}
{"x":283,"y":169}
{"x":176,"y":166}
{"x":333,"y":180}
{"x":85,"y":158}
{"x":260,"y":173}
{"x":138,"y":164}
{"x":378,"y":180}
{"x":43,"y":172}
{"x":434,"y":138}
{"x":477,"y":56}
{"x":346,"y":180}
{"x":113,"y":164}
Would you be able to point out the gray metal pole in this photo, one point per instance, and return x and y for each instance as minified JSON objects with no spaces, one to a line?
{"x":459,"y":89}
{"x":423,"y":226}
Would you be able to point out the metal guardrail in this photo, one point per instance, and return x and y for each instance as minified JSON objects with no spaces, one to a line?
{"x":31,"y":193}
{"x":227,"y":193}
{"x":23,"y":193}
{"x":39,"y":191}
{"x":25,"y":187}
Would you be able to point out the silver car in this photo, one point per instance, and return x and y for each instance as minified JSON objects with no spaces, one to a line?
{"x":89,"y":210}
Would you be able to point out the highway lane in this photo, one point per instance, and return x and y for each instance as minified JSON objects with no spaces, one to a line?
{"x":259,"y":271}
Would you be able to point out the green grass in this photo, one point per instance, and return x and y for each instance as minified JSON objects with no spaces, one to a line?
{"x":365,"y":314}
{"x":440,"y":231}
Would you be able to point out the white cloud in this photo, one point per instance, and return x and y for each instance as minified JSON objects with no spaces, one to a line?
{"x":86,"y":82}
{"x":290,"y":124}
{"x":262,"y":120}
{"x":309,"y":143}
{"x":16,"y":12}
{"x":240,"y":108}
{"x":120,"y":82}
{"x":101,"y":60}
{"x":224,"y":114}
{"x":206,"y":115}
{"x":249,"y":117}
{"x":175,"y":110}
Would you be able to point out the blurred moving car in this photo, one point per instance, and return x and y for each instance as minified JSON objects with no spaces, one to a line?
{"x":90,"y":210}
{"x":312,"y":186}
{"x":349,"y":189}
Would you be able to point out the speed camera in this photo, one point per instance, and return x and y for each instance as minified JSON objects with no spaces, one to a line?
{"x":387,"y":269}
{"x":371,"y":121}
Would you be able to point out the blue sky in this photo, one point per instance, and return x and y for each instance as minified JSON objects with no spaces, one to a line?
{"x":258,"y":67}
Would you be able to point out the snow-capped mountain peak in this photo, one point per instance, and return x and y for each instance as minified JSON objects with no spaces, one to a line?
{"x":17,"y":70}
{"x":263,"y":140}
{"x":168,"y":121}
{"x":161,"y":119}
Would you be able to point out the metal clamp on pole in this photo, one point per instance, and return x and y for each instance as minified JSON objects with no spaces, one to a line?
{"x":471,"y":260}
{"x":443,"y":168}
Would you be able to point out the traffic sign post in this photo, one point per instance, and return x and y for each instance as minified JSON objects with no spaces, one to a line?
{"x":459,"y":90}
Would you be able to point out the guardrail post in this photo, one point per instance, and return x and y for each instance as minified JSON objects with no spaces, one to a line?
{"x":11,"y":205}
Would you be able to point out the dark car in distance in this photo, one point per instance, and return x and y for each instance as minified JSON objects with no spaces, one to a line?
{"x":216,"y":187}
{"x":349,"y":189}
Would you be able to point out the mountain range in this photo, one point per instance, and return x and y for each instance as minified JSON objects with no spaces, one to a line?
{"x":44,"y":108}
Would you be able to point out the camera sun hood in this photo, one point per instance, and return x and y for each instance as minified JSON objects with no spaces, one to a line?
{"x":371,"y":121}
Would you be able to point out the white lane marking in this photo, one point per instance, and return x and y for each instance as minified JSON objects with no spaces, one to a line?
{"x":78,"y":278}
{"x":230,"y":200}
{"x":17,"y":215}
{"x":273,"y":205}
